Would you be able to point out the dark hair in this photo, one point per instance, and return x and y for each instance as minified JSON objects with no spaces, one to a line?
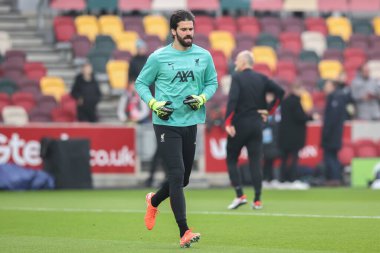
{"x":178,"y":16}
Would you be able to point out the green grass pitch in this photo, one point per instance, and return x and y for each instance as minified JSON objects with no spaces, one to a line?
{"x":318,"y":220}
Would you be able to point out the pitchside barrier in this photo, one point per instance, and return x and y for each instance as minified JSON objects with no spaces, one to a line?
{"x":120,"y":156}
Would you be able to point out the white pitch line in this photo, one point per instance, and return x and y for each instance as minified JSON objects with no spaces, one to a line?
{"x":232,"y":213}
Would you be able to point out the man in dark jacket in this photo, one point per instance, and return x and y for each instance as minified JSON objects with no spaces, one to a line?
{"x":292,"y":133}
{"x":332,"y":130}
{"x":246,"y":110}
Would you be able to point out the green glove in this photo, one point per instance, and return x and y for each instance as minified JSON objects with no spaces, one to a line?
{"x":195,"y":102}
{"x":160,"y":108}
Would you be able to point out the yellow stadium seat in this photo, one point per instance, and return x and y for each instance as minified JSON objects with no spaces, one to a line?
{"x":376,"y":25}
{"x":265,"y":54}
{"x":110,"y":25}
{"x":87,"y":26}
{"x":222,"y":40}
{"x":54,"y":86}
{"x":118,"y":74}
{"x":156,"y":25}
{"x":339,"y":26}
{"x":329,"y":69}
{"x":127,"y":41}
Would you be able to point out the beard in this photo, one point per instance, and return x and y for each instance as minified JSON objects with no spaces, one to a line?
{"x":183,"y":42}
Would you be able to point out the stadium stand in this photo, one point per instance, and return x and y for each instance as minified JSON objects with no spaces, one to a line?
{"x":14,"y":115}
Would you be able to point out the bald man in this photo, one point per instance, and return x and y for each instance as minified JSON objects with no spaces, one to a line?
{"x":247,"y":109}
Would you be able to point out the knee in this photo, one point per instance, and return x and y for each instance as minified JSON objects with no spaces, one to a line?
{"x":176,"y":179}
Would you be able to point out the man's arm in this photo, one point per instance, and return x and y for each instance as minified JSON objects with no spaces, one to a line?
{"x":211,"y":81}
{"x":232,"y":100}
{"x":278,"y":95}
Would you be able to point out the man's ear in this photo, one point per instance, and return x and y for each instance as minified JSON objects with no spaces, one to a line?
{"x":173,"y":32}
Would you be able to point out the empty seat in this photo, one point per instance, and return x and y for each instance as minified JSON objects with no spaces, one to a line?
{"x":335,"y":41}
{"x":202,"y":41}
{"x":153,"y":42}
{"x":81,"y":46}
{"x":68,"y":5}
{"x":98,"y":59}
{"x":222,"y":40}
{"x":99,"y":5}
{"x":356,"y":56}
{"x":265,"y":54}
{"x":141,"y":5}
{"x":127,"y":41}
{"x":14,"y":115}
{"x":169,"y":5}
{"x":35,"y":70}
{"x":201,"y":5}
{"x":122,"y":55}
{"x":333,"y":54}
{"x":358,"y":40}
{"x":13,"y":72}
{"x":236,"y":5}
{"x":226,"y":23}
{"x":330,"y":6}
{"x":37,"y":115}
{"x":364,"y":5}
{"x":263,"y":69}
{"x":286,"y":70}
{"x":4,"y":100}
{"x":64,"y":28}
{"x":87,"y":25}
{"x":24,"y":99}
{"x":5,"y":42}
{"x":220,"y":62}
{"x":248,"y":25}
{"x":156,"y":25}
{"x":365,"y":148}
{"x":54,"y":86}
{"x":374,"y":66}
{"x":362,"y":26}
{"x":300,"y":5}
{"x":291,"y":41}
{"x":309,"y":55}
{"x":374,"y":41}
{"x":266,"y":5}
{"x":293,"y":24}
{"x":61,"y":115}
{"x":133,"y":23}
{"x":286,"y":55}
{"x":104,"y":43}
{"x":329,"y":69}
{"x":316,"y":24}
{"x":340,"y":26}
{"x":244,"y":41}
{"x":46,"y":103}
{"x":15,"y":56}
{"x":118,"y":74}
{"x":376,"y":25}
{"x":315,"y":41}
{"x":271,"y":25}
{"x":110,"y":25}
{"x":266,"y":39}
{"x":7,"y":86}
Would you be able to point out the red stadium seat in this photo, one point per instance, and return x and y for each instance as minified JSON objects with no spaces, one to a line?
{"x":68,"y":5}
{"x":204,"y":25}
{"x":267,"y":5}
{"x":292,"y":24}
{"x":364,"y":5}
{"x":355,"y":55}
{"x":335,"y":5}
{"x":319,"y":100}
{"x":226,"y":23}
{"x":316,"y":24}
{"x":365,"y":148}
{"x":220,"y":62}
{"x":81,"y":46}
{"x":291,"y":41}
{"x":333,"y":54}
{"x":35,"y":70}
{"x":202,"y":5}
{"x":359,"y":40}
{"x":24,"y":99}
{"x":140,"y":5}
{"x":64,"y":28}
{"x":248,"y":25}
{"x":263,"y":69}
{"x":286,"y":70}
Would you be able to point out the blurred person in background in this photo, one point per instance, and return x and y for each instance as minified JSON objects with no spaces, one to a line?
{"x":366,"y":94}
{"x":332,"y":131}
{"x":292,"y":135}
{"x":247,"y":109}
{"x":87,"y":94}
{"x":185,"y":79}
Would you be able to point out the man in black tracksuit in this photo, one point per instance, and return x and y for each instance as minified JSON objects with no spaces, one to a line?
{"x":246,"y":110}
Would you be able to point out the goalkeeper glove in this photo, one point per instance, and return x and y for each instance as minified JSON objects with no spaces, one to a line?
{"x":160,"y":108}
{"x":195,"y":102}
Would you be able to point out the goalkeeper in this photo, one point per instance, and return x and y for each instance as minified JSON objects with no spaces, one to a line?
{"x":185,"y":78}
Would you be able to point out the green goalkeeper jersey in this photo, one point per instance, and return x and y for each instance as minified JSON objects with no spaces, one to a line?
{"x":177,"y":74}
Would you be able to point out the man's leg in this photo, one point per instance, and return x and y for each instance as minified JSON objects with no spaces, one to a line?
{"x":254,"y":154}
{"x":233,"y":151}
{"x":188,"y":147}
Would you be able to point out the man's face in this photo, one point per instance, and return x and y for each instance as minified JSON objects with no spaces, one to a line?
{"x":184,"y":33}
{"x":239,"y":63}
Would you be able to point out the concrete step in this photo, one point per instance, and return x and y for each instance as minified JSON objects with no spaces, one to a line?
{"x":38,"y":49}
{"x":9,"y":25}
{"x":4,"y":8}
{"x":66,"y":74}
{"x":43,"y":57}
{"x":27,"y":42}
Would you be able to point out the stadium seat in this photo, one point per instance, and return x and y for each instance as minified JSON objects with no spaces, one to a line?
{"x":36,"y":115}
{"x":64,"y":28}
{"x":374,"y":66}
{"x":362,"y":26}
{"x":356,"y":56}
{"x":374,"y":41}
{"x":340,"y":26}
{"x":316,"y":24}
{"x":202,"y":41}
{"x":376,"y":25}
{"x":266,"y":39}
{"x":293,"y":24}
{"x":98,"y":59}
{"x":329,"y":69}
{"x":266,"y":5}
{"x":61,"y":115}
{"x":346,"y":154}
{"x":291,"y":41}
{"x":236,"y":5}
{"x":14,"y":115}
{"x":80,"y":46}
{"x":5,"y":42}
{"x":156,"y":25}
{"x":222,"y":40}
{"x":26,"y":82}
{"x":333,"y":54}
{"x":118,"y":74}
{"x":286,"y":71}
{"x":286,"y":55}
{"x":248,"y":25}
{"x":15,"y":56}
{"x":13,"y":71}
{"x":309,"y":55}
{"x":300,"y":5}
{"x":87,"y":26}
{"x":153,"y":42}
{"x":244,"y":41}
{"x":309,"y":80}
{"x":204,"y":25}
{"x":169,"y":5}
{"x":35,"y":70}
{"x":68,"y":5}
{"x":226,"y":23}
{"x":319,"y":101}
{"x":24,"y":99}
{"x":271,"y":25}
{"x":265,"y":54}
{"x":314,"y":41}
{"x":69,"y":105}
{"x":220,"y":62}
{"x":263,"y":69}
{"x":141,"y":5}
{"x":133,"y":23}
{"x":4,"y":100}
{"x":121,"y":55}
{"x":98,"y":5}
{"x":46,"y":103}
{"x":358,"y":40}
{"x":127,"y":41}
{"x":364,"y":6}
{"x":110,"y":25}
{"x":104,"y":43}
{"x":335,"y":41}
{"x":365,"y":148}
{"x":53,"y":86}
{"x":330,"y":6}
{"x":201,"y":5}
